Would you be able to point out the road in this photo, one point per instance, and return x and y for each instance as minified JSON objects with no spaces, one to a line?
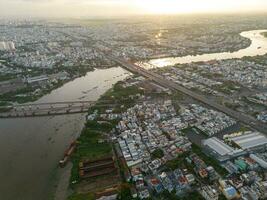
{"x":243,"y":118}
{"x":47,"y":109}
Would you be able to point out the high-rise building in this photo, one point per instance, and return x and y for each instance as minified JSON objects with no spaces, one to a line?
{"x":7,"y":46}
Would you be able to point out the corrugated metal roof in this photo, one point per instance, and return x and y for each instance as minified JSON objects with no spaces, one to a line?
{"x":250,"y":140}
{"x":219,"y":146}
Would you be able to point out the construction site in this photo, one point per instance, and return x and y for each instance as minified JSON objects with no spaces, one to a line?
{"x":100,"y":176}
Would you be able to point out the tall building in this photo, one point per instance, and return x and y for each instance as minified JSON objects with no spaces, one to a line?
{"x":7,"y":46}
{"x":2,"y":46}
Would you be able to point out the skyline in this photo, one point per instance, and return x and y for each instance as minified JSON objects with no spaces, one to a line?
{"x":133,"y":99}
{"x":108,"y":8}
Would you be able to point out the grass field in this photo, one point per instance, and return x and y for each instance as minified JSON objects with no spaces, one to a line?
{"x":88,"y":148}
{"x":89,"y":145}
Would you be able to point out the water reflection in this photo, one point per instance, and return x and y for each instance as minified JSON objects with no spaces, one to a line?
{"x":31,"y":148}
{"x":257,"y":47}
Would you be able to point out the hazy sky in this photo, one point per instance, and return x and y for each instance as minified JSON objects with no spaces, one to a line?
{"x":86,"y":8}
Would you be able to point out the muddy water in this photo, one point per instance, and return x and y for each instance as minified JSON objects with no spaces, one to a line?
{"x":30,"y":148}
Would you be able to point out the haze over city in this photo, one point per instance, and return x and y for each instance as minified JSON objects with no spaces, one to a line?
{"x":133,"y":99}
{"x":94,"y":8}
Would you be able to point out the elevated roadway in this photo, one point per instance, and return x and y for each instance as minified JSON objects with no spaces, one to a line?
{"x":243,"y":118}
{"x":49,"y":109}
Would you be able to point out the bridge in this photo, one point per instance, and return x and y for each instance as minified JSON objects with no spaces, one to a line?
{"x":70,"y":108}
{"x":49,"y":109}
{"x":241,"y":117}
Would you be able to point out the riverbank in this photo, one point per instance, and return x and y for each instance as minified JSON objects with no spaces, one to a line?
{"x":258,"y":47}
{"x":30,"y":93}
{"x":264,"y":34}
{"x":27,"y":151}
{"x":95,"y":130}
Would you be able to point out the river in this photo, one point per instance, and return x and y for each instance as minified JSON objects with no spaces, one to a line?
{"x":31,"y":148}
{"x":258,"y":47}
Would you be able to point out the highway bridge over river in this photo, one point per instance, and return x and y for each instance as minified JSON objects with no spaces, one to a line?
{"x":60,"y":108}
{"x":49,"y":109}
{"x":238,"y":116}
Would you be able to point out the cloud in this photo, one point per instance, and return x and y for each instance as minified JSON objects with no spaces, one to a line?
{"x":85,"y":8}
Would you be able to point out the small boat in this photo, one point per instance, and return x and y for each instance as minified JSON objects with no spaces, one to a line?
{"x":67,"y":154}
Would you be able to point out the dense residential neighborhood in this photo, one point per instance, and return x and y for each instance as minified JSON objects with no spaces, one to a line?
{"x":169,"y":109}
{"x":152,"y":139}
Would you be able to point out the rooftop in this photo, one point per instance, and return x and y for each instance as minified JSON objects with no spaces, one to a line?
{"x":250,"y":140}
{"x":219,"y":146}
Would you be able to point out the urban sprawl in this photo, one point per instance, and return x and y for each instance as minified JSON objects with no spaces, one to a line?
{"x":151,"y":142}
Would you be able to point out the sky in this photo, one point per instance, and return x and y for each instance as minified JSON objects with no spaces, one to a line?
{"x":98,"y":8}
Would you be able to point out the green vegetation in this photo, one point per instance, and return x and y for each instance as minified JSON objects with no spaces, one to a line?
{"x":262,"y":60}
{"x":243,"y":129}
{"x":2,"y":110}
{"x":125,"y":192}
{"x":79,"y":70}
{"x":233,"y":106}
{"x":172,"y":196}
{"x":158,"y":153}
{"x":180,"y":162}
{"x":89,"y":147}
{"x":122,"y":98}
{"x":264,"y":34}
{"x":81,"y":197}
{"x":227,"y":87}
{"x":166,"y":195}
{"x":96,"y":126}
{"x":193,"y":196}
{"x":122,"y":94}
{"x":20,"y":96}
{"x":209,"y":160}
{"x":92,"y":143}
{"x":4,"y":103}
{"x":193,"y":129}
{"x":176,"y":98}
{"x":7,"y":77}
{"x":222,"y":197}
{"x":28,"y":94}
{"x":211,"y":75}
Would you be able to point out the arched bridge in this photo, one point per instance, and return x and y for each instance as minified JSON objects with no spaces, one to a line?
{"x":47,"y":109}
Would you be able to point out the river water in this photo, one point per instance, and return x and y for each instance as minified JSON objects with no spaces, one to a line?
{"x":31,"y":148}
{"x":257,"y":47}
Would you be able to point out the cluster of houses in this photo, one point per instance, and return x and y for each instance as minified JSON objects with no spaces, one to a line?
{"x":244,"y":72}
{"x":141,"y":133}
{"x":207,"y":120}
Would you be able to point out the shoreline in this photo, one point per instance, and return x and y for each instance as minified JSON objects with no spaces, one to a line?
{"x":99,"y":132}
{"x":62,"y":189}
{"x":62,"y":179}
{"x":255,"y":37}
{"x":161,"y":61}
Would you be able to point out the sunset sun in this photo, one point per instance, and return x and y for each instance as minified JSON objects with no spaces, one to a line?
{"x":163,"y":7}
{"x":192,"y":6}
